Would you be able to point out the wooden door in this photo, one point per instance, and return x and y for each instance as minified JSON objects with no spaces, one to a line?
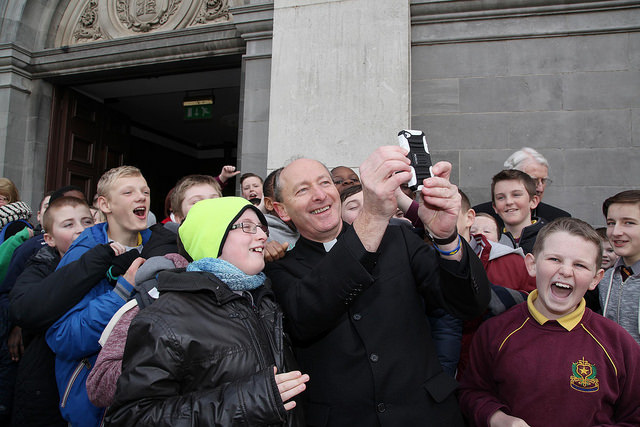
{"x":85,"y":140}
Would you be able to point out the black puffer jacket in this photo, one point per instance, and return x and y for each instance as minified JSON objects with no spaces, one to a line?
{"x":203,"y":355}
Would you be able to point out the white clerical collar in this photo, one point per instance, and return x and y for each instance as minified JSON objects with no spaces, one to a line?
{"x":329,"y":245}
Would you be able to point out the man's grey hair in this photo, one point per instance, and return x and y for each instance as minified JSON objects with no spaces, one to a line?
{"x":517,"y":159}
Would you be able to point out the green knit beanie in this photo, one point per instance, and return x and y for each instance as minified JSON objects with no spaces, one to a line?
{"x":204,"y":230}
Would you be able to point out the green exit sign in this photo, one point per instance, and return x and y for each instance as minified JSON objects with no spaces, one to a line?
{"x":198,"y":109}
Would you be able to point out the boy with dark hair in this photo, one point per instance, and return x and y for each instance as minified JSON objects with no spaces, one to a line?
{"x":552,"y":361}
{"x":503,"y":264}
{"x":620,"y":288}
{"x":513,"y":194}
{"x":251,"y":186}
{"x":123,"y":196}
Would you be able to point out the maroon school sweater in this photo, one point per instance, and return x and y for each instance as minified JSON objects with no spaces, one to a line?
{"x":584,"y":373}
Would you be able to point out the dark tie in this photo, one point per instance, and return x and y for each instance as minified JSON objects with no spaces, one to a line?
{"x":625,"y":272}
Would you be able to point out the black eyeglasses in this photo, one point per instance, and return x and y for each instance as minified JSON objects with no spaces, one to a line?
{"x":251,"y":228}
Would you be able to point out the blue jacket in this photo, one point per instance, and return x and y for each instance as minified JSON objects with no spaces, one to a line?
{"x":74,"y":337}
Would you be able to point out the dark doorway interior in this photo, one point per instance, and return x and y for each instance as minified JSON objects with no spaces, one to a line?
{"x":158,"y":137}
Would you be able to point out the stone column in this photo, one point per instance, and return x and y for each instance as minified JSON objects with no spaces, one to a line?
{"x":339,"y":79}
{"x":254,"y":22}
{"x":23,"y":135}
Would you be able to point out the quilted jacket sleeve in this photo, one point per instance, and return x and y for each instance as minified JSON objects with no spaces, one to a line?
{"x":41,"y":296}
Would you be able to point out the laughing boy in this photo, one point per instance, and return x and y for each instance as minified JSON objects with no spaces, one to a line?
{"x":124,"y":199}
{"x":551,"y":361}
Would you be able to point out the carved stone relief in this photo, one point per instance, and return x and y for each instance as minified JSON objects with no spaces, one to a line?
{"x":92,"y":20}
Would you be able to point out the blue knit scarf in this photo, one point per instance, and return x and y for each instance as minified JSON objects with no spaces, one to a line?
{"x":231,"y":275}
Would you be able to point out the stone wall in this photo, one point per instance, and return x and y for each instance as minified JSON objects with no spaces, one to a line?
{"x":561,"y":77}
{"x":339,"y":79}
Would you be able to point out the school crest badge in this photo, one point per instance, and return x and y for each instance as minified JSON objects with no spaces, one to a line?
{"x":584,"y":377}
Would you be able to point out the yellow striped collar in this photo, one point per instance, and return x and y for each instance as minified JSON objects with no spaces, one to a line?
{"x":568,"y":322}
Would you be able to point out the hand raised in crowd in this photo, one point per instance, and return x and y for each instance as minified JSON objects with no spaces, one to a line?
{"x":440,"y":202}
{"x":381,"y":175}
{"x":228,"y":172}
{"x":15,"y":344}
{"x":290,"y":384}
{"x":273,"y":250}
{"x":130,"y":274}
{"x":121,"y":263}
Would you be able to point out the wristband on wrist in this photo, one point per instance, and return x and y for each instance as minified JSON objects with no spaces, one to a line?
{"x":447,"y":240}
{"x":110,"y":276}
{"x":453,"y":252}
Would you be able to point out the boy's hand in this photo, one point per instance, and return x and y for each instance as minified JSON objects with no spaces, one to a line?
{"x":290,"y":384}
{"x":14,"y":342}
{"x":500,"y":419}
{"x":118,"y":249}
{"x":273,"y":250}
{"x":228,"y":172}
{"x":130,"y":275}
{"x":121,"y":264}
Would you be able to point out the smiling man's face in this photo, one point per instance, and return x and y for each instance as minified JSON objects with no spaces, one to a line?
{"x":310,"y":200}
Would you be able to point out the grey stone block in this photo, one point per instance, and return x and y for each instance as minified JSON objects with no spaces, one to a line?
{"x":602,"y":90}
{"x":568,"y":54}
{"x":634,"y":50}
{"x":584,"y":202}
{"x":526,"y":93}
{"x":257,"y":74}
{"x":635,"y":127}
{"x":463,"y":131}
{"x":611,"y":167}
{"x":477,"y":167}
{"x":452,"y":157}
{"x":459,"y":60}
{"x":580,"y":129}
{"x":256,"y":105}
{"x":435,"y":96}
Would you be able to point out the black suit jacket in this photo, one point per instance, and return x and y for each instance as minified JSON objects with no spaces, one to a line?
{"x":360,"y":330}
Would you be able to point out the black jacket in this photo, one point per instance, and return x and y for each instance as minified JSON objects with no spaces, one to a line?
{"x":527,"y":237}
{"x":40,"y":296}
{"x":359,"y":327}
{"x":203,"y":355}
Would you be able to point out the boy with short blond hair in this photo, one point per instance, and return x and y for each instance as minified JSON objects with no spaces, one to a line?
{"x":513,"y":195}
{"x":552,"y":361}
{"x":123,"y":196}
{"x":620,"y":287}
